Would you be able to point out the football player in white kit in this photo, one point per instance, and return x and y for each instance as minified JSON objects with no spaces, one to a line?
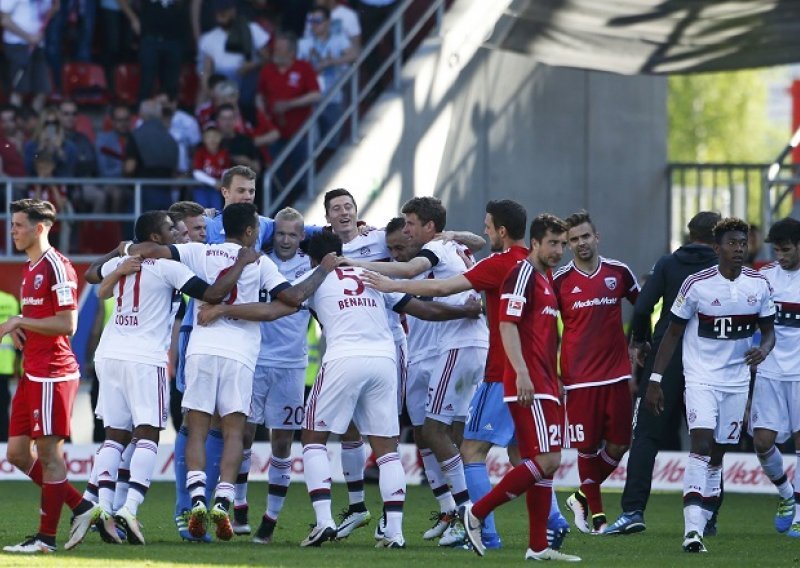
{"x":221,"y":358}
{"x":461,"y":347}
{"x":775,"y":408}
{"x":341,"y":212}
{"x":279,"y":381}
{"x":131,"y":360}
{"x":357,"y":382}
{"x":717,"y":311}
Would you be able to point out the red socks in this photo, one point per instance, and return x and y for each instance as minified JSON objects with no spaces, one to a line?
{"x":538,"y":499}
{"x":72,"y":496}
{"x":52,"y":502}
{"x":515,"y":483}
{"x":593,"y":470}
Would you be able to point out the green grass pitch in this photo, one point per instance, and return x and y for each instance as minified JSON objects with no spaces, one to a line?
{"x":746,"y":536}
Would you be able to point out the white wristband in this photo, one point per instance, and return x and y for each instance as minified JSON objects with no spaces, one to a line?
{"x":655,"y":377}
{"x":127,"y":248}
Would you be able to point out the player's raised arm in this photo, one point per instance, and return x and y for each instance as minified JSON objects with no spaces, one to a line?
{"x":438,"y":311}
{"x":428,"y":287}
{"x":152,"y":250}
{"x":467,"y":238}
{"x":125,"y":267}
{"x":409,"y":269}
{"x":297,"y":294}
{"x":92,"y":274}
{"x":254,"y":311}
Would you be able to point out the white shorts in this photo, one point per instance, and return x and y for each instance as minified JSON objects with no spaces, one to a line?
{"x":417,"y":381}
{"x":452,"y":383}
{"x":361,"y":389}
{"x":278,"y":398}
{"x":722,"y":412}
{"x":132,"y":394}
{"x":401,"y":348}
{"x":217,"y":383}
{"x":776,"y":407}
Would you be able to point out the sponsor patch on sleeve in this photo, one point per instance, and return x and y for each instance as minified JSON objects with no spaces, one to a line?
{"x":64,"y":296}
{"x":514,"y":308}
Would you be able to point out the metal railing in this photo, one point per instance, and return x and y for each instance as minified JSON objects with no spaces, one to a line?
{"x":346,"y":87}
{"x":738,"y":190}
{"x":68,"y":217}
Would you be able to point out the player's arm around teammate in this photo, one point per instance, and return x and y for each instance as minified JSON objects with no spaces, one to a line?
{"x":221,"y":287}
{"x":289,"y":300}
{"x":468,"y":239}
{"x":130,"y":265}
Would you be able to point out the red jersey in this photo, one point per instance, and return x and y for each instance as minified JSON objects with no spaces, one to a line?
{"x":298,"y":80}
{"x":48,"y":286}
{"x":488,"y":276}
{"x":529,"y":301}
{"x":212,"y":164}
{"x":594,"y":350}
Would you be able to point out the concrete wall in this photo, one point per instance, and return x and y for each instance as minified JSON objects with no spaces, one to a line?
{"x":471,"y":125}
{"x":559,"y":140}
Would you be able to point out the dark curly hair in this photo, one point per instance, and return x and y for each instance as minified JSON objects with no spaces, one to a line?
{"x":728,"y":225}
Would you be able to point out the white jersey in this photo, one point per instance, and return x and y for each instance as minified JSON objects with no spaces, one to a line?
{"x":423,"y":335}
{"x":283,"y":341}
{"x":783,"y":362}
{"x":721,"y":317}
{"x":229,"y":338}
{"x":372,"y":248}
{"x":145,"y":304}
{"x":457,"y":333}
{"x":353,"y":317}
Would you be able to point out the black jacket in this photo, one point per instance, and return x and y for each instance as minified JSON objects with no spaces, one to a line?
{"x":665,"y":281}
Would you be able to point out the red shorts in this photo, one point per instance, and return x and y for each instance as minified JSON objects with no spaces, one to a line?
{"x":599,"y":413}
{"x":42,"y":409}
{"x":538,"y":428}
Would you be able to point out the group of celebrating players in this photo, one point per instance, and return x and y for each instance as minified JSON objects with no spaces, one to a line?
{"x":230,"y":296}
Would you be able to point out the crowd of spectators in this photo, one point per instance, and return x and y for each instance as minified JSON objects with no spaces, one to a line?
{"x":261,"y":67}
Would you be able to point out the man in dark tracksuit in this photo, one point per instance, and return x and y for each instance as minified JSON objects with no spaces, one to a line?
{"x":650,"y":432}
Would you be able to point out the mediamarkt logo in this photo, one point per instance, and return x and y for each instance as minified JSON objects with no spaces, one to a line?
{"x":594,"y":302}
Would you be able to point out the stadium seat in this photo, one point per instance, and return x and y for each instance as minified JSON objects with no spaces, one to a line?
{"x":188,"y":86}
{"x":127,"y":77}
{"x":85,"y":83}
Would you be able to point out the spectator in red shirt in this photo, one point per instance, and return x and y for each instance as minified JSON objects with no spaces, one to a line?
{"x":210,"y":161}
{"x":261,"y":130}
{"x":287,"y":91}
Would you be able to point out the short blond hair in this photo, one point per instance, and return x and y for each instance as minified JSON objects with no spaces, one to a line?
{"x":289,"y":214}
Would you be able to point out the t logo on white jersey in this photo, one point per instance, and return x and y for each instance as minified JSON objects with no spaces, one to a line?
{"x":722,"y":326}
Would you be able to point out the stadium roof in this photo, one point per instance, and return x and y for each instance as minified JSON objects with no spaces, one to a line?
{"x":653,"y":36}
